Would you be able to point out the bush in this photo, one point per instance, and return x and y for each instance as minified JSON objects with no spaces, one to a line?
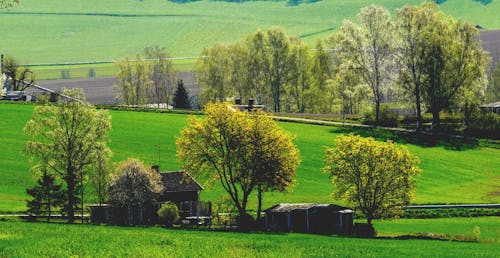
{"x":484,"y":125}
{"x":386,"y":117}
{"x":168,"y":214}
{"x":364,"y":230}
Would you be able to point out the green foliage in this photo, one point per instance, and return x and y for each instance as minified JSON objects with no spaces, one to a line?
{"x":181,"y":96}
{"x":168,"y":214}
{"x":8,"y":3}
{"x":374,"y":177}
{"x":386,"y":117}
{"x":134,"y":185}
{"x":484,"y":124}
{"x":133,"y":80}
{"x":243,"y":151}
{"x":448,"y":213}
{"x":67,"y":139}
{"x":47,"y":194}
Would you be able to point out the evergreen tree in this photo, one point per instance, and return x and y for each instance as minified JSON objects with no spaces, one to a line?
{"x":46,"y":194}
{"x":181,"y":96}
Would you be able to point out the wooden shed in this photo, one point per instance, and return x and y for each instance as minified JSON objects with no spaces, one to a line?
{"x":309,"y":218}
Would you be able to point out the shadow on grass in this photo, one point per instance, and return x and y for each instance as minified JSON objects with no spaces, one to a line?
{"x":420,"y":139}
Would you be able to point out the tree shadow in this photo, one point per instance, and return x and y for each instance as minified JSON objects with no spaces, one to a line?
{"x":423,"y":139}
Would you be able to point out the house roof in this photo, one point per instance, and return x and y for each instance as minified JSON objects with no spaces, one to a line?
{"x":287,"y":207}
{"x":179,"y":181}
{"x":492,"y":105}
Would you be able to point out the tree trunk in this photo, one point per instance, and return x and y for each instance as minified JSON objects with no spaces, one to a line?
{"x":259,"y":206}
{"x":70,"y":181}
{"x":419,"y":109}
{"x":377,"y":112}
{"x":436,"y":121}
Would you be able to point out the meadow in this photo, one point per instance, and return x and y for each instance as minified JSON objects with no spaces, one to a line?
{"x":55,"y":31}
{"x":453,"y":172}
{"x":22,"y":239}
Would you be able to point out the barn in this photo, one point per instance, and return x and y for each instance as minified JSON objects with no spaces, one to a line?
{"x":309,"y":218}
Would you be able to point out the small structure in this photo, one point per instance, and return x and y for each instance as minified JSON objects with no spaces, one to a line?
{"x":251,"y":105}
{"x":309,"y":218}
{"x":491,"y":107}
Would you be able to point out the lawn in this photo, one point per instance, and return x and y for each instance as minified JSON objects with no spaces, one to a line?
{"x":468,"y":175}
{"x":55,"y":31}
{"x":22,"y":239}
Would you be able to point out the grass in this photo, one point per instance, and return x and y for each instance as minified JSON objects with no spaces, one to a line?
{"x":456,"y":173}
{"x":22,"y":239}
{"x":53,"y":31}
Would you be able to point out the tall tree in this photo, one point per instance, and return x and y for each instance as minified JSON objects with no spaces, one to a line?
{"x":278,"y":46}
{"x":99,"y":177}
{"x":234,"y":148}
{"x":413,"y":24}
{"x":321,"y":71}
{"x":47,"y":194}
{"x":454,"y":63}
{"x":258,"y":66}
{"x":134,"y":79}
{"x":181,"y":96}
{"x":135,"y":187}
{"x":300,"y":75}
{"x":376,"y":178}
{"x":163,"y":75}
{"x":68,"y":138}
{"x":366,"y":48}
{"x":19,"y":77}
{"x":213,"y":74}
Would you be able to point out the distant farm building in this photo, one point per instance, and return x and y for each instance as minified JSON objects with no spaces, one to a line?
{"x":492,"y":107}
{"x":309,"y":218}
{"x":251,"y":105}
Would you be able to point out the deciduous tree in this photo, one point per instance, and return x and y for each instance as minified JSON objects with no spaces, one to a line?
{"x":376,"y":178}
{"x":163,"y":75}
{"x":240,"y":150}
{"x":367,"y":49}
{"x":68,"y":139}
{"x":19,"y":77}
{"x":134,"y":80}
{"x":8,"y":3}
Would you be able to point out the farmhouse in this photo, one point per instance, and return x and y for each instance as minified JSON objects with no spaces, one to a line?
{"x":179,"y":187}
{"x":309,"y":218}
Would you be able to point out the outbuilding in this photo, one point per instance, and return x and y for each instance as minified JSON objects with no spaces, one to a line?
{"x":309,"y":218}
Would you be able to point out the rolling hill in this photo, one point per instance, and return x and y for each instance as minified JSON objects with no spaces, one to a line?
{"x":54,"y":31}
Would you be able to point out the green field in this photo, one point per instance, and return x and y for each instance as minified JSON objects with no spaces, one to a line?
{"x":19,"y":239}
{"x":469,"y":175}
{"x":54,"y":31}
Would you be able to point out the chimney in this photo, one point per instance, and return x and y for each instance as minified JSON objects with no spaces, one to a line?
{"x":250,"y":103}
{"x":237,"y":101}
{"x":156,"y":168}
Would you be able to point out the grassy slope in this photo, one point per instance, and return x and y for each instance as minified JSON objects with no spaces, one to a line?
{"x":450,"y":176}
{"x":43,"y":240}
{"x":41,"y":31}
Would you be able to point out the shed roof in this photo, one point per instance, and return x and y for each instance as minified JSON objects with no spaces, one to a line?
{"x":179,"y":181}
{"x":287,"y":207}
{"x":492,"y":105}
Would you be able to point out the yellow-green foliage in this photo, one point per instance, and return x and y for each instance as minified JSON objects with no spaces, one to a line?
{"x":242,"y":150}
{"x":374,"y":177}
{"x":168,"y":213}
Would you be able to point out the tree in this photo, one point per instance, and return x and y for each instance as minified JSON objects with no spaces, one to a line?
{"x":5,"y":4}
{"x":213,"y":76}
{"x":412,"y":24}
{"x":181,"y":96}
{"x":20,"y":77}
{"x":99,"y":177}
{"x":300,"y":76}
{"x":279,"y":47}
{"x":135,"y":187}
{"x":321,"y":72}
{"x":366,"y":49}
{"x":240,"y":150}
{"x":46,"y":194}
{"x":163,"y":75}
{"x":493,"y":90}
{"x":374,"y":177}
{"x":68,"y":139}
{"x":258,"y":66}
{"x":134,"y":79}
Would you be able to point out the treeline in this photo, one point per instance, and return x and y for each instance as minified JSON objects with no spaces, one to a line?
{"x":422,"y":57}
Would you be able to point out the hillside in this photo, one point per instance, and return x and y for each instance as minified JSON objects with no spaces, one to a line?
{"x":51,"y":31}
{"x":453,"y":172}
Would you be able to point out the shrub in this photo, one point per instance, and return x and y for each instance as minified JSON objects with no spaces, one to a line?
{"x":476,"y":233}
{"x":484,"y":125}
{"x":386,"y":117}
{"x":168,"y":214}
